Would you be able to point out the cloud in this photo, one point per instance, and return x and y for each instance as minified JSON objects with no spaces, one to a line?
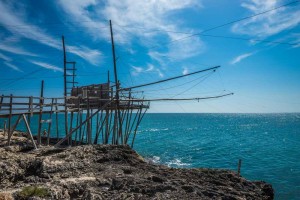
{"x":240,"y":58}
{"x":150,"y":68}
{"x":4,"y":57}
{"x":136,"y":70}
{"x":185,"y":71}
{"x":296,"y":38}
{"x":15,"y":50}
{"x":92,"y":55}
{"x":270,"y":23}
{"x":130,"y":20}
{"x":47,"y":66}
{"x":12,"y":20}
{"x":13,"y":67}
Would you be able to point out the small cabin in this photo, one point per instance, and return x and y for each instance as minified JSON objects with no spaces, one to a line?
{"x":94,"y":95}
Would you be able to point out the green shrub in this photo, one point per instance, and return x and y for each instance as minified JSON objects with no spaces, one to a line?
{"x":31,"y":191}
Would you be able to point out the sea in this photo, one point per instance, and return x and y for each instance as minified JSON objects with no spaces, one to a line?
{"x":267,"y":144}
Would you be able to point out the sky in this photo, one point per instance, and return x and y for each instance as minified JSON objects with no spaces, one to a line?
{"x":258,"y":51}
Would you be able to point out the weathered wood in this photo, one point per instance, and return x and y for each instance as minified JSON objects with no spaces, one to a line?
{"x":30,"y":109}
{"x":4,"y":128}
{"x":40,"y":113}
{"x":29,"y":131}
{"x":71,"y":125}
{"x":1,"y":101}
{"x":239,"y":167}
{"x":71,"y":132}
{"x":56,"y":120}
{"x":50,"y":124}
{"x":9,"y":120}
{"x":16,"y":124}
{"x":139,"y":121}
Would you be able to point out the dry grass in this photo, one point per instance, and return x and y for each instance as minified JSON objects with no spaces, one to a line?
{"x":5,"y":196}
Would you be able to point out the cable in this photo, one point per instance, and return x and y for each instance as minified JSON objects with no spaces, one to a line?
{"x":215,"y":36}
{"x":172,"y":78}
{"x":228,"y":23}
{"x":179,"y":84}
{"x":194,"y":85}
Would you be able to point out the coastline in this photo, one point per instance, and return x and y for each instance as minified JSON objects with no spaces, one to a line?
{"x":113,"y":172}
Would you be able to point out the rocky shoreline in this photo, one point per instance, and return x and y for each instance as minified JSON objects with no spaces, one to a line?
{"x":111,"y":172}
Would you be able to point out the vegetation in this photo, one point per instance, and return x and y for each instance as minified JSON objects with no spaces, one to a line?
{"x":31,"y":191}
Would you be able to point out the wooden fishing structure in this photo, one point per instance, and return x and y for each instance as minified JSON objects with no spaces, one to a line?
{"x":99,"y":113}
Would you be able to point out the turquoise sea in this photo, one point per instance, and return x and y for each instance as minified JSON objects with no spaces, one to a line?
{"x":268,"y":144}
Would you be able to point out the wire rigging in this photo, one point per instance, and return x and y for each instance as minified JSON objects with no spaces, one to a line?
{"x":228,"y":23}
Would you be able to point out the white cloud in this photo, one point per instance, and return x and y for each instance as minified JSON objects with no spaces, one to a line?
{"x":296,"y":37}
{"x":128,"y":14}
{"x":240,"y":58}
{"x":12,"y":20}
{"x":15,"y":50}
{"x":150,"y":68}
{"x":269,"y":23}
{"x":92,"y":55}
{"x":13,"y":67}
{"x":47,"y":66}
{"x":4,"y":57}
{"x":136,"y":70}
{"x":185,"y":71}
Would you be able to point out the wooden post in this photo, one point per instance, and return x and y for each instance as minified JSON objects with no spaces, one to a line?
{"x":9,"y":120}
{"x":71,"y":125}
{"x":239,"y":167}
{"x":1,"y":101}
{"x":50,"y":122}
{"x":65,"y":86}
{"x":56,"y":120}
{"x":16,"y":124}
{"x":40,"y":114}
{"x":4,"y":128}
{"x":89,"y":140}
{"x":29,"y":131}
{"x":73,"y":130}
{"x":119,"y":132}
{"x":30,"y":110}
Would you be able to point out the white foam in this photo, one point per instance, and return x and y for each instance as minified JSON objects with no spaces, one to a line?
{"x":177,"y":163}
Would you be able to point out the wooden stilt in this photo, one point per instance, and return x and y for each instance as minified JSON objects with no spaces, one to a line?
{"x":71,"y":125}
{"x":16,"y":124}
{"x":29,"y":131}
{"x":139,"y":121}
{"x":40,"y":114}
{"x":239,"y":167}
{"x":50,"y":122}
{"x":9,"y":120}
{"x":4,"y":128}
{"x":56,"y":119}
{"x":70,"y":133}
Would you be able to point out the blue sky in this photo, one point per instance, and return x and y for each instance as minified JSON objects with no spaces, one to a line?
{"x":259,"y":56}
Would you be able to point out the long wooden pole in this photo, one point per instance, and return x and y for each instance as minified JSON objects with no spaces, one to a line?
{"x":9,"y":119}
{"x":29,"y":131}
{"x":169,"y":79}
{"x":118,"y":114}
{"x":40,"y":114}
{"x":65,"y":85}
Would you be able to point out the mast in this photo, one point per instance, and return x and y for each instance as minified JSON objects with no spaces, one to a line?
{"x":65,"y":85}
{"x":118,"y":113}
